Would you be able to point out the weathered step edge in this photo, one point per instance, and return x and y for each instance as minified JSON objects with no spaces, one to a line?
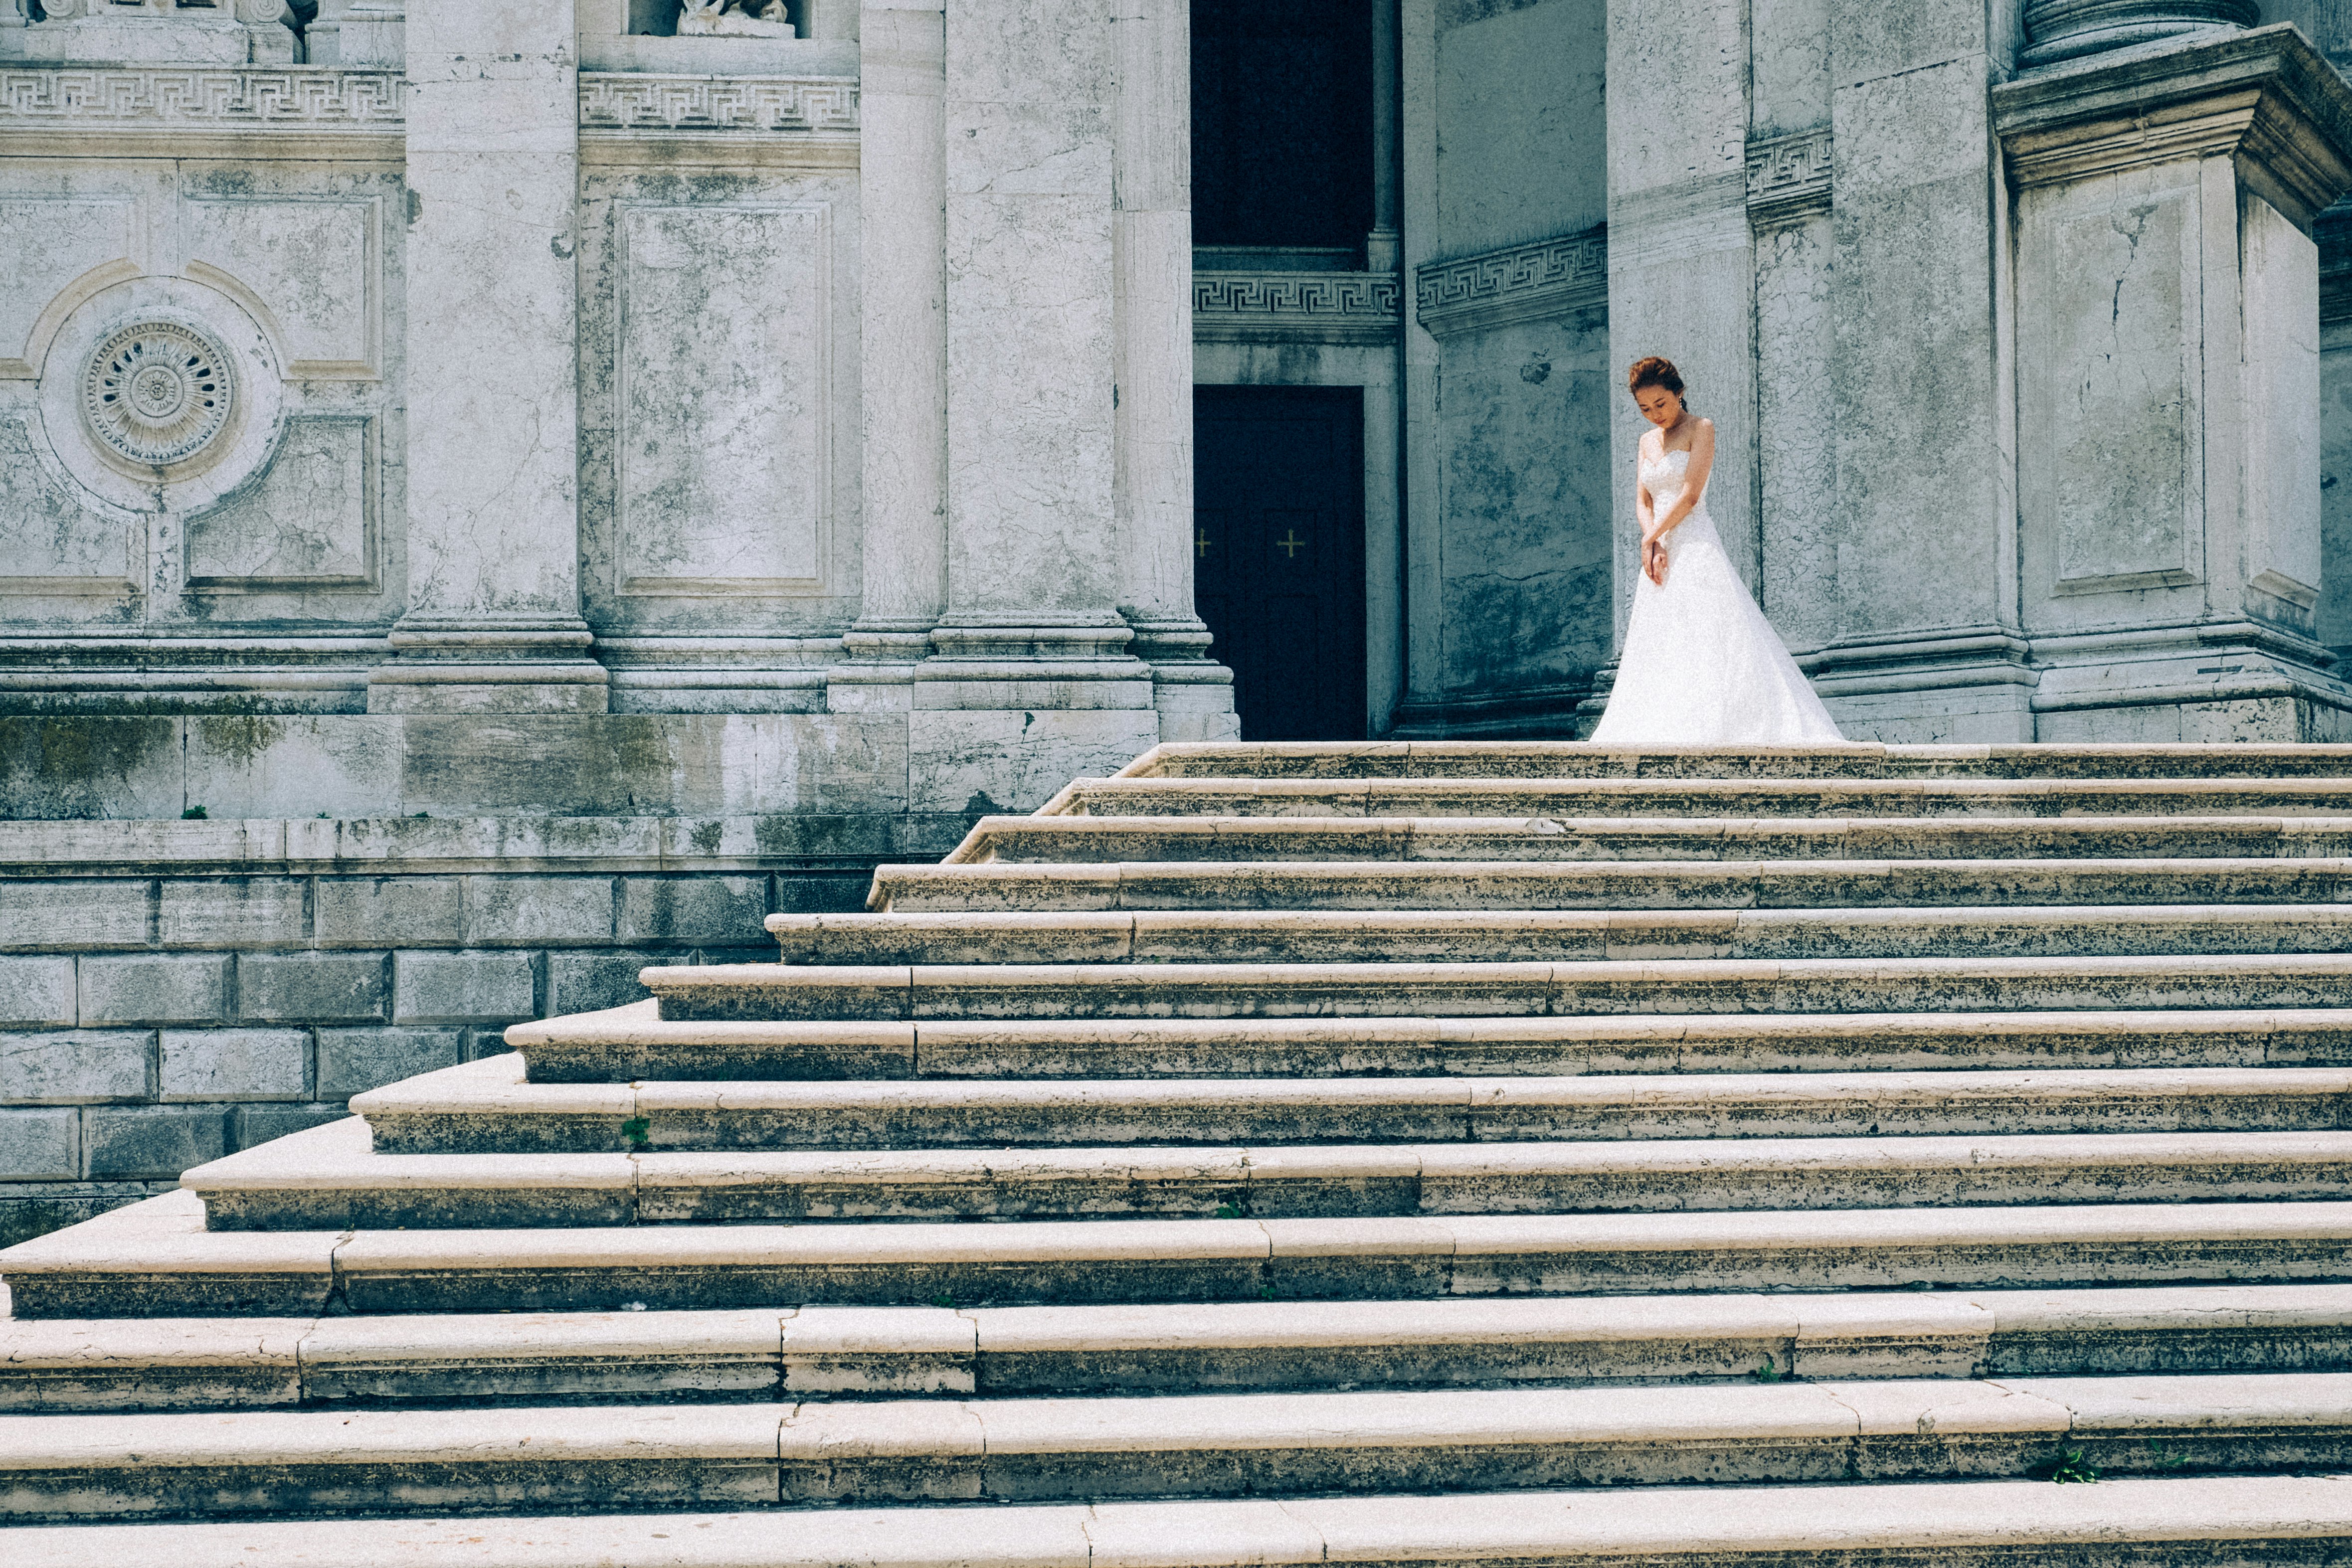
{"x":153,"y":1258}
{"x":635,"y":1042}
{"x":2187,"y":1522}
{"x":476,"y":1460}
{"x":488,"y":1105}
{"x":110,"y":1364}
{"x":328,"y":1178}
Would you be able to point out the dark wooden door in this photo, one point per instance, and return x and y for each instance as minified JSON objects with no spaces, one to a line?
{"x":1278,"y":554}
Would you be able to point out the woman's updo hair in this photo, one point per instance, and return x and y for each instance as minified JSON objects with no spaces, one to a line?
{"x":1656,"y":371}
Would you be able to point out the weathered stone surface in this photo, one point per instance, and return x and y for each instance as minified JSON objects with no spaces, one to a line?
{"x":154,"y":989}
{"x":234,"y":1064}
{"x":325,"y":988}
{"x":352,"y":1060}
{"x":151,"y":1141}
{"x":434,"y":987}
{"x":37,"y":991}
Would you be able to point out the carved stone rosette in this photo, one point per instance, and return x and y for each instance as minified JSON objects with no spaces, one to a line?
{"x":2062,"y":30}
{"x":157,"y":393}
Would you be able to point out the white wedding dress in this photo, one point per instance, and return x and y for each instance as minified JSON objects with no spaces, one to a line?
{"x":1702,"y":667}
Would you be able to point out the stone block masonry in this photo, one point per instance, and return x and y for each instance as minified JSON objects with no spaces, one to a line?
{"x":171,"y":992}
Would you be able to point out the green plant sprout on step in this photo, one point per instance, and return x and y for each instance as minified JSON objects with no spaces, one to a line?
{"x":2072,"y":1468}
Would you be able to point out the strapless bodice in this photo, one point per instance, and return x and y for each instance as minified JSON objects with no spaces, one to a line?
{"x":1664,"y":478}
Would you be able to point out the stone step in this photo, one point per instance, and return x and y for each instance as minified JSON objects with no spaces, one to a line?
{"x":1082,"y":841}
{"x":633,"y":1043}
{"x":1514,"y":936}
{"x":2193,"y":1521}
{"x":488,"y":1106}
{"x":154,"y":1258}
{"x":607,"y":1458}
{"x":1582,"y":759}
{"x":1508,"y":885}
{"x":326,"y":1178}
{"x":1037,"y":992}
{"x":1718,"y":798}
{"x":128,"y":1363}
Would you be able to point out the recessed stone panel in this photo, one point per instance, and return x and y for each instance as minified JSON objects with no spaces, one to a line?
{"x":2282,"y":320}
{"x":307,"y":521}
{"x":50,"y":542}
{"x":46,"y":242}
{"x":2124,"y":483}
{"x":311,"y":263}
{"x":722,"y":403}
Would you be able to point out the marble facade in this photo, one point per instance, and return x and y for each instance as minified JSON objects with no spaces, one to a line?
{"x":603,"y":358}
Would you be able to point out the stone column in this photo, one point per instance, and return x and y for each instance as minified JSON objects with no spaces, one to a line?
{"x":2168,"y":333}
{"x":2066,"y":29}
{"x":902,"y":207}
{"x":1152,"y":364}
{"x":1925,"y":429}
{"x":1031,"y":679}
{"x":1681,"y":271}
{"x":493,"y":621}
{"x":1424,"y":584}
{"x":1382,"y":246}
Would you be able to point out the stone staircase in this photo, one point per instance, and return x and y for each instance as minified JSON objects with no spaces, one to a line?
{"x":1393,"y":1153}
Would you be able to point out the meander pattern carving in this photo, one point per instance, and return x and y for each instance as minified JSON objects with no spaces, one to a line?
{"x":1321,"y":296}
{"x":627,"y":101}
{"x":1559,"y":274}
{"x":201,"y":97}
{"x":1790,"y":173}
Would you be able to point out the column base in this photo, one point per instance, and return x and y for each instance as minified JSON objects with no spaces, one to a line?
{"x":446,"y":665}
{"x":1193,"y":692}
{"x":2227,"y":682}
{"x":1002,"y":717}
{"x":1958,"y":686}
{"x":1055,"y":667}
{"x":878,"y":672}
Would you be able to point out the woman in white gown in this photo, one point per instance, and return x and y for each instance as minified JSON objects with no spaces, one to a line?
{"x":1702,"y":667}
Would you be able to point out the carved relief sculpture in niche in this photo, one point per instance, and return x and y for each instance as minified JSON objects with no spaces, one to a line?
{"x":158,"y":392}
{"x":752,"y":18}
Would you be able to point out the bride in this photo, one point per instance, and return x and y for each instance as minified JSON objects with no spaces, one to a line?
{"x":1702,"y":667}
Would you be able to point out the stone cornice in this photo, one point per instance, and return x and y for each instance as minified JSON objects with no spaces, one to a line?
{"x":1789,"y":177}
{"x":1531,"y":282}
{"x":2265,"y":99}
{"x":1338,"y":308}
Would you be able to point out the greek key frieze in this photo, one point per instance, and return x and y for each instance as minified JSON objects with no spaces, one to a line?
{"x":198,"y":98}
{"x":1321,"y":307}
{"x":632,"y":102}
{"x":1521,"y":283}
{"x":1788,"y":176}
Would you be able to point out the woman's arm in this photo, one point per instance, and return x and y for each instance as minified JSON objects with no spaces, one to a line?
{"x":1702,"y":462}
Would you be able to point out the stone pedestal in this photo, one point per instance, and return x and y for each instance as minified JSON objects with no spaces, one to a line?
{"x":493,"y":620}
{"x":2168,"y":374}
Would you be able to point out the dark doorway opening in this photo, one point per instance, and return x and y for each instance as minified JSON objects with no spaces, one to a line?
{"x":1278,"y":554}
{"x":1282,"y":122}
